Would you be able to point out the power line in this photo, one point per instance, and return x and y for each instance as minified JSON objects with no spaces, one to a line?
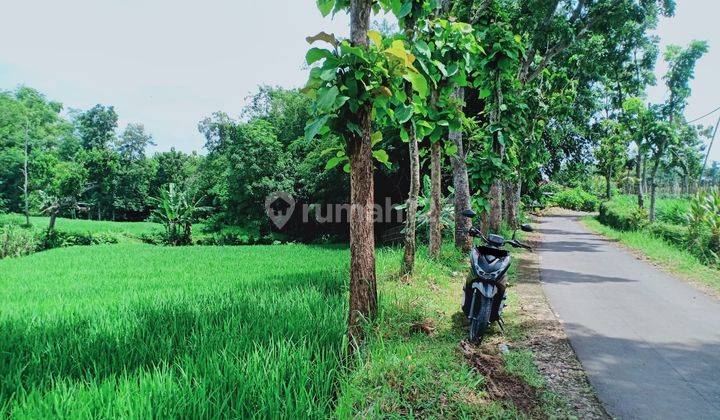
{"x":706,"y":115}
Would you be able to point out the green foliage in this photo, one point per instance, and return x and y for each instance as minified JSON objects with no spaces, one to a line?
{"x":576,"y":199}
{"x":16,"y":241}
{"x":349,"y":78}
{"x":184,"y":325}
{"x":258,"y":165}
{"x":685,"y":224}
{"x":623,"y":215}
{"x":704,"y":218}
{"x":677,"y":259}
{"x":133,"y":142}
{"x":176,"y":209}
{"x":97,"y":127}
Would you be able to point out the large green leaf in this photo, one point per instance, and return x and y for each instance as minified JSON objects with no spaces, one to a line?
{"x":316,"y":54}
{"x":326,"y":99}
{"x":405,"y":9}
{"x":325,"y":6}
{"x":314,"y":127}
{"x":335,"y":161}
{"x":418,"y":83}
{"x":403,"y":113}
{"x":381,"y":156}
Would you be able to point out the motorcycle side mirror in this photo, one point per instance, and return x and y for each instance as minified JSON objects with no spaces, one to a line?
{"x":469,"y":214}
{"x":527,"y":228}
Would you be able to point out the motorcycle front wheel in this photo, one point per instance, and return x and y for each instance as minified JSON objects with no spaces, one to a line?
{"x":481,"y":321}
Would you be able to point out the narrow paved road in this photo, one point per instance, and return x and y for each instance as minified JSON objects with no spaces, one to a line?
{"x":649,"y":342}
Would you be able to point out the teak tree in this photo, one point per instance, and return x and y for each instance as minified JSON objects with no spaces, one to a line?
{"x":447,"y":53}
{"x":352,"y":85}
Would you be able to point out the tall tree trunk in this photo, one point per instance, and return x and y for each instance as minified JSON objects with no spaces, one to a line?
{"x":26,"y":176}
{"x":53,"y":218}
{"x":462,"y":187}
{"x":495,"y":218}
{"x":414,"y":155}
{"x":363,"y":288}
{"x":639,"y":181}
{"x":435,"y":201}
{"x":644,"y":175}
{"x":512,"y":201}
{"x":412,"y":202}
{"x":653,"y":186}
{"x":608,"y":184}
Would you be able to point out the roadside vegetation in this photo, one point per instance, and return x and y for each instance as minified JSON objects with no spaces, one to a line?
{"x":676,"y":259}
{"x":500,"y":107}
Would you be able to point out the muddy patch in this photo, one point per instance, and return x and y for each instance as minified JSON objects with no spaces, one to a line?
{"x":501,"y":385}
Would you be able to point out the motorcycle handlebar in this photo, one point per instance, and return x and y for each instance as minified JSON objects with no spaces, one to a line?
{"x":476,"y":233}
{"x":518,"y":244}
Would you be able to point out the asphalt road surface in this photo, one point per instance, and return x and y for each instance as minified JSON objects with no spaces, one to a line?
{"x":649,"y":342}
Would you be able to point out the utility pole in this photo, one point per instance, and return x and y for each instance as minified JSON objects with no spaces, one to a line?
{"x":707,"y":156}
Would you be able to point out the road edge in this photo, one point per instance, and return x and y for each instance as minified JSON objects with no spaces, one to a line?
{"x":546,"y":338}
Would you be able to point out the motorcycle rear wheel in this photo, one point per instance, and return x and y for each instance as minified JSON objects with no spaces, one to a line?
{"x":480,"y":323}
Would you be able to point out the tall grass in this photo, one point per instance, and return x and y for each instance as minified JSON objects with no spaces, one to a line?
{"x":137,"y":331}
{"x":671,"y":210}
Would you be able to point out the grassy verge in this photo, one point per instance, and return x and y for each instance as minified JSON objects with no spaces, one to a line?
{"x":412,"y":364}
{"x":673,"y":259}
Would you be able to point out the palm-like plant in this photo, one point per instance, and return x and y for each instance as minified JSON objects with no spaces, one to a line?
{"x":704,"y":217}
{"x":177,"y":211}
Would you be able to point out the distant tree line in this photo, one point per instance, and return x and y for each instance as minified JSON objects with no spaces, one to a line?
{"x":80,"y":166}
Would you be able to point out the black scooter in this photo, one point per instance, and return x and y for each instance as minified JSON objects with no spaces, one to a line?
{"x":486,"y":289}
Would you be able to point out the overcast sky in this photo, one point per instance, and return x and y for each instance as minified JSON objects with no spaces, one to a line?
{"x":169,"y":63}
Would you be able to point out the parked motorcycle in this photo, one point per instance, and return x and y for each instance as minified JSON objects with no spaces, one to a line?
{"x":486,"y":289}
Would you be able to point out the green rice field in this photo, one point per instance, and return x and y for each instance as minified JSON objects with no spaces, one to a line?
{"x":139,"y":331}
{"x":81,"y":226}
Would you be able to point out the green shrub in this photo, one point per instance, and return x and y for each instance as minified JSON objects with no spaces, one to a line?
{"x":60,"y":239}
{"x":638,"y":219}
{"x":672,"y":210}
{"x":617,"y":214}
{"x":674,"y":234}
{"x":16,"y":241}
{"x":576,"y":199}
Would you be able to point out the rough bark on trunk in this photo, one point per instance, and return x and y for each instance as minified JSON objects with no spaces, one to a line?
{"x":435,"y":201}
{"x":408,"y":264}
{"x":512,"y":201}
{"x":608,"y":184}
{"x":495,"y":217}
{"x":462,"y":188}
{"x":26,"y":175}
{"x":412,"y":202}
{"x":363,"y":288}
{"x":653,"y":187}
{"x":638,"y":175}
{"x":53,"y":217}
